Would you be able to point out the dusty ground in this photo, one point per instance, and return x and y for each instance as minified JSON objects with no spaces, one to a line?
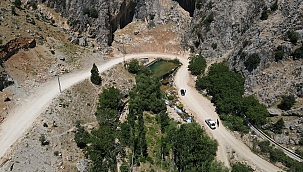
{"x":76,"y":103}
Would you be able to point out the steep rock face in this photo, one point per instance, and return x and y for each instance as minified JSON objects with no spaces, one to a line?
{"x":116,"y":14}
{"x":188,"y":5}
{"x":225,"y":25}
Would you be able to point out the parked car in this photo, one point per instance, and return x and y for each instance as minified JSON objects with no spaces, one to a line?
{"x":211,"y":123}
{"x":182,"y":92}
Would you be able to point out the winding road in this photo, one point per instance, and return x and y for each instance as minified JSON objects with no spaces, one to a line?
{"x":22,"y":116}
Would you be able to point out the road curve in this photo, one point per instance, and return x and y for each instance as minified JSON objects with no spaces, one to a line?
{"x":24,"y":114}
{"x":204,"y":109}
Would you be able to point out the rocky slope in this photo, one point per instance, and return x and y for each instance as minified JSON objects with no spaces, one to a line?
{"x":247,"y":27}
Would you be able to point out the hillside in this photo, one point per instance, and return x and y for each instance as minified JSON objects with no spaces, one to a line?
{"x":42,"y":39}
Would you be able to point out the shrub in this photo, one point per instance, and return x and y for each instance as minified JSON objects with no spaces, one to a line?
{"x":91,"y":12}
{"x":264,"y":14}
{"x":214,"y":45}
{"x":239,"y":167}
{"x":274,"y":6}
{"x":287,"y":102}
{"x":298,"y":54}
{"x":252,"y":62}
{"x":293,"y":37}
{"x":199,"y":33}
{"x":42,"y":140}
{"x":17,"y":3}
{"x":52,"y":51}
{"x":197,"y":43}
{"x":151,"y":16}
{"x":1,"y":41}
{"x":264,"y":146}
{"x":56,"y":153}
{"x":13,"y":10}
{"x":279,"y":53}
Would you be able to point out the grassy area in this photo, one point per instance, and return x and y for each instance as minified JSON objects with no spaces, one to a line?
{"x":162,"y":67}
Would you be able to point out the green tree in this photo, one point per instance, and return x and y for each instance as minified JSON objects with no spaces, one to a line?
{"x":216,"y":166}
{"x":252,"y":62}
{"x":197,"y":65}
{"x":239,"y":167}
{"x":95,"y":78}
{"x":278,"y":126}
{"x":193,"y":150}
{"x":81,"y":137}
{"x":287,"y":102}
{"x":293,"y":37}
{"x":133,"y":66}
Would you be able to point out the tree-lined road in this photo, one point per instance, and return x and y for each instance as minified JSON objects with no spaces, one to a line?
{"x":22,"y":116}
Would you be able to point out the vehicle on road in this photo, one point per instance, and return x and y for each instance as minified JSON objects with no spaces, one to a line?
{"x":182,"y":92}
{"x":211,"y":123}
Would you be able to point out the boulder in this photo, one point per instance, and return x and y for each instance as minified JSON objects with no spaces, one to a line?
{"x":82,"y":165}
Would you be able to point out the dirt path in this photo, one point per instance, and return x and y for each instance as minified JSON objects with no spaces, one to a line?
{"x":204,"y":109}
{"x":22,"y":116}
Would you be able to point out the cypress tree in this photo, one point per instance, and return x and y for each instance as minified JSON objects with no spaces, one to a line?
{"x":95,"y":78}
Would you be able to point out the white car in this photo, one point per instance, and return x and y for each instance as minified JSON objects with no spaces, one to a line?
{"x":211,"y":123}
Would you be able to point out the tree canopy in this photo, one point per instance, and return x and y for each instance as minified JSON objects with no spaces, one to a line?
{"x":197,"y":65}
{"x":95,"y":78}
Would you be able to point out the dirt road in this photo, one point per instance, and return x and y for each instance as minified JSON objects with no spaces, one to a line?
{"x":23,"y":115}
{"x":204,"y":109}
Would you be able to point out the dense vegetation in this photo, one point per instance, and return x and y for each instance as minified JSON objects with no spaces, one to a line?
{"x":163,"y":143}
{"x":227,"y":89}
{"x":276,"y":155}
{"x":197,"y":65}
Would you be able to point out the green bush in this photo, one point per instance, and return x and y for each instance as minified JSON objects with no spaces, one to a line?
{"x":56,"y":153}
{"x":133,"y":66}
{"x":214,"y":45}
{"x":239,"y":167}
{"x":252,"y":62}
{"x":287,"y":102}
{"x":274,"y":6}
{"x":298,"y":54}
{"x":91,"y":12}
{"x":279,"y":53}
{"x":293,"y":37}
{"x":264,"y":14}
{"x":197,"y":65}
{"x":264,"y":146}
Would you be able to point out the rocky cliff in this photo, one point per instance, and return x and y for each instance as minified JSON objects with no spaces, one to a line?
{"x":97,"y":20}
{"x":254,"y":31}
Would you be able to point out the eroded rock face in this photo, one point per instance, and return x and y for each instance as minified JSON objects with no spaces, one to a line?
{"x":14,"y":45}
{"x":9,"y":49}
